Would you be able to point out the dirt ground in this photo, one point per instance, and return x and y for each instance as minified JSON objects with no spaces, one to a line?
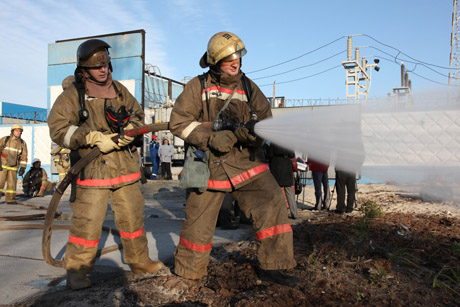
{"x":396,"y":250}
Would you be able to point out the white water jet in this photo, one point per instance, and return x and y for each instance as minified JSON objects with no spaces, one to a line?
{"x":416,"y":145}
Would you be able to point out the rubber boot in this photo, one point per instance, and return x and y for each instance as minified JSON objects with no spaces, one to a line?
{"x":77,"y":280}
{"x":276,"y":276}
{"x":318,"y":204}
{"x":147,"y":267}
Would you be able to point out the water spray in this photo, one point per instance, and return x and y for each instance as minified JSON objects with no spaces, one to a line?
{"x":414,"y":145}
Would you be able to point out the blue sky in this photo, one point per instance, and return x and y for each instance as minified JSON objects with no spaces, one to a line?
{"x":289,"y":32}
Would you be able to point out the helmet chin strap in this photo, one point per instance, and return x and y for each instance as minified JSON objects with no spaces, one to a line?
{"x":93,"y":79}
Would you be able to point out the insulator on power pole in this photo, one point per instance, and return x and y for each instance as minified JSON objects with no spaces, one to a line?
{"x":403,"y":71}
{"x":409,"y":85}
{"x":357,"y":54}
{"x":406,"y":79}
{"x":349,"y":48}
{"x":364,"y":64}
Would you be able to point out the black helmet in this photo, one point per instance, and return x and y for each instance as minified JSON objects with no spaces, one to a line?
{"x":93,"y":53}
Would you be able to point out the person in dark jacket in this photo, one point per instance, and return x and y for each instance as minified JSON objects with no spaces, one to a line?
{"x":35,"y":181}
{"x":155,"y":159}
{"x":280,"y":162}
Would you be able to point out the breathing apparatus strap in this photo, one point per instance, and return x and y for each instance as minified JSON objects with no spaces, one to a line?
{"x":203,"y":79}
{"x":248,"y":90}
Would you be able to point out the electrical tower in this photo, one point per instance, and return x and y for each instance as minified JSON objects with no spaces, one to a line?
{"x":454,"y":46}
{"x":358,"y":73}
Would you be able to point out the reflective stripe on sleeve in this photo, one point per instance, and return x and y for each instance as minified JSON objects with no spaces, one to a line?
{"x":68,"y":135}
{"x":186,"y":132}
{"x":83,"y":242}
{"x":194,"y":246}
{"x":273,"y":231}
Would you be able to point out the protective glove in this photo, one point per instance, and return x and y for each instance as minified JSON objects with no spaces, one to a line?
{"x":243,"y":136}
{"x":102,"y":141}
{"x":126,"y":140}
{"x":222,"y":141}
{"x":21,"y":171}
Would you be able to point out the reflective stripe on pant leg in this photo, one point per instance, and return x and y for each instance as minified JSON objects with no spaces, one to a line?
{"x":127,"y":203}
{"x":263,"y":200}
{"x":195,"y":244}
{"x":3,"y":175}
{"x":88,"y":214}
{"x":11,"y":180}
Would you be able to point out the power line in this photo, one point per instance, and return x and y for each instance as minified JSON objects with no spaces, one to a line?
{"x":304,"y":66}
{"x":270,"y":84}
{"x":408,"y":61}
{"x":399,"y":51}
{"x":298,"y":57}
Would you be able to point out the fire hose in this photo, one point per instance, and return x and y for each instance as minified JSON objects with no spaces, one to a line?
{"x":76,"y":169}
{"x":73,"y":173}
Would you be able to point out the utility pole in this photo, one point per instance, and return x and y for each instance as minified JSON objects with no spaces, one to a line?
{"x":454,"y":46}
{"x":358,"y":73}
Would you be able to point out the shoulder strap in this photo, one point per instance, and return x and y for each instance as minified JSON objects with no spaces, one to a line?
{"x":203,"y":78}
{"x":83,"y":113}
{"x":248,"y":90}
{"x":6,"y":140}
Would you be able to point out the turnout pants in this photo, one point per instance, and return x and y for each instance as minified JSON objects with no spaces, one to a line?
{"x":262,"y":200}
{"x":9,"y":176}
{"x":62,"y":171}
{"x":89,"y":211}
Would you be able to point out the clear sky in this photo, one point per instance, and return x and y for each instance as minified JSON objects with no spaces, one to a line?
{"x":301,"y":40}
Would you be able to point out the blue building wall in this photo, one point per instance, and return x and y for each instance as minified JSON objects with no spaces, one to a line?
{"x":126,"y":54}
{"x":27,"y":113}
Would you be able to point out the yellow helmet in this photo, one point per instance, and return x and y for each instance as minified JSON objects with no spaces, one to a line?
{"x":17,"y":126}
{"x":93,"y":53}
{"x":220,"y":46}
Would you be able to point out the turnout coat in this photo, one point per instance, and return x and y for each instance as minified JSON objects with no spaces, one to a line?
{"x":235,"y":168}
{"x":110,"y":170}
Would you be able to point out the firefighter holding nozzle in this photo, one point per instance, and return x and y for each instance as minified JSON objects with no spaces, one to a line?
{"x":236,"y":164}
{"x":89,"y":114}
{"x":13,"y":158}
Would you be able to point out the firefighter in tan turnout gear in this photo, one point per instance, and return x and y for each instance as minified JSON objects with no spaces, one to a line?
{"x":14,"y":156}
{"x":61,"y":161}
{"x":236,"y":164}
{"x":106,"y":108}
{"x":35,"y":182}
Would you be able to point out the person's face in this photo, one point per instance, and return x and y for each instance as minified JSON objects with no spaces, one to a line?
{"x":100,"y":74}
{"x":17,"y":132}
{"x":231,"y":67}
{"x":37,"y":165}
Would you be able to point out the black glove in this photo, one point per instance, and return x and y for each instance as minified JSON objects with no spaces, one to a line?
{"x":21,"y":171}
{"x":222,"y":141}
